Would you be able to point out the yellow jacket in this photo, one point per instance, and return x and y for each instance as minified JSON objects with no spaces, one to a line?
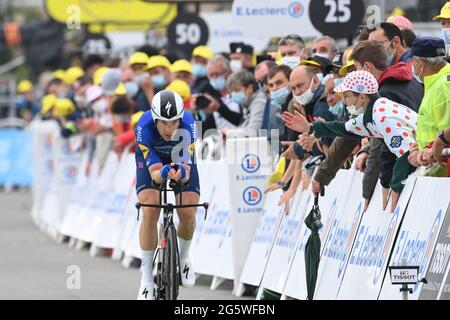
{"x":434,"y":112}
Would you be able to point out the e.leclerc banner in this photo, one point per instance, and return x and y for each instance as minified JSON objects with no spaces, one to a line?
{"x":249,"y":165}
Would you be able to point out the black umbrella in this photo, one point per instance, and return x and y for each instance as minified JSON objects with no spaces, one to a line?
{"x":312,"y":248}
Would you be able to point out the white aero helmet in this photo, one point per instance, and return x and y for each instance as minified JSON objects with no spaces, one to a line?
{"x":167,"y":105}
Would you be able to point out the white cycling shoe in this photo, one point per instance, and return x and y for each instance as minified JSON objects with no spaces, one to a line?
{"x":187,"y":274}
{"x":146,"y":292}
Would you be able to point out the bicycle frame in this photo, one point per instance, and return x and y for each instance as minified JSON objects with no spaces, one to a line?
{"x":168,"y":230}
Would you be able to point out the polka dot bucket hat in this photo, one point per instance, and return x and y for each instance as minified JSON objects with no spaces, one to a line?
{"x":358,"y":82}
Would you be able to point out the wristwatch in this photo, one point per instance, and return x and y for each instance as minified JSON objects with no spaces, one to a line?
{"x":442,"y":137}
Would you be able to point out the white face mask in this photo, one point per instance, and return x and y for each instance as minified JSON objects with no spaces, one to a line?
{"x":291,"y":62}
{"x":306,"y":96}
{"x":236,"y":65}
{"x":322,"y":55}
{"x":353,"y":111}
{"x":417,"y":77}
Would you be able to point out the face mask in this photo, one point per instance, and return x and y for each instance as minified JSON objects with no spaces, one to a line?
{"x":320,"y":77}
{"x":323,"y":55}
{"x":219,"y":83}
{"x":291,"y":62}
{"x":236,"y":65}
{"x":121,"y":119}
{"x":80,"y":101}
{"x":100,"y":106}
{"x":306,"y":96}
{"x":159,"y":81}
{"x":238,"y":97}
{"x":279,"y":97}
{"x":139,"y":79}
{"x":417,"y":77}
{"x":390,"y":57}
{"x":353,"y":111}
{"x":337,"y":109}
{"x":132,"y":88}
{"x":199,"y":70}
{"x":446,"y":36}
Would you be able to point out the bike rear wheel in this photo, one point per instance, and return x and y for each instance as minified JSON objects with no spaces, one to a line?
{"x":171,"y":274}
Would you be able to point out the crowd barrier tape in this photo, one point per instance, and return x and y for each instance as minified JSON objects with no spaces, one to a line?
{"x":15,"y":158}
{"x":356,"y":248}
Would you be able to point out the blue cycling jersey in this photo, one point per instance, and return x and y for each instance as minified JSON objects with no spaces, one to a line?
{"x":155,"y":149}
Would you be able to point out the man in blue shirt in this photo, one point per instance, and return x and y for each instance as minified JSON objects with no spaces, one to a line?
{"x":165,"y":136}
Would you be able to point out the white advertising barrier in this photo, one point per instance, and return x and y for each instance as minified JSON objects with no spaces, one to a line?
{"x":249,"y":167}
{"x":263,"y":240}
{"x":85,"y":202}
{"x":43,"y":132}
{"x":99,"y":201}
{"x":213,"y":254}
{"x":283,"y":250}
{"x":419,"y":232}
{"x":205,"y":172}
{"x":223,"y":30}
{"x":107,"y":226}
{"x":329,"y":205}
{"x":338,"y":244}
{"x":129,"y":221}
{"x":270,"y":18}
{"x":375,"y":238}
{"x":77,"y":198}
{"x":65,"y":164}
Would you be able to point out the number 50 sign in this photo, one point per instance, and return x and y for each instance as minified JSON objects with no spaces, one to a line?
{"x":187,"y":31}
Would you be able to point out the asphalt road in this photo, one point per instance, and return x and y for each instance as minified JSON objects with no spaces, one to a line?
{"x":34,"y":266}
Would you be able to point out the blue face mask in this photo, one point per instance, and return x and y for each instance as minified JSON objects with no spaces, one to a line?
{"x":238,"y":97}
{"x":321,"y":78}
{"x":279,"y":97}
{"x":218,"y":84}
{"x":390,"y":57}
{"x":132,"y":88}
{"x":199,"y":70}
{"x":337,"y":109}
{"x":158,"y":81}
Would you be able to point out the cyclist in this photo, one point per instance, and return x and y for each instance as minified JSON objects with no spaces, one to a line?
{"x":165,"y":136}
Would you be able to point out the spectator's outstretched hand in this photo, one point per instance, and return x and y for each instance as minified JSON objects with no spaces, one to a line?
{"x":296,"y":121}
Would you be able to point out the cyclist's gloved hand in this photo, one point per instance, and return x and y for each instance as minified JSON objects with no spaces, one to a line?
{"x":164,"y":171}
{"x":183,"y":171}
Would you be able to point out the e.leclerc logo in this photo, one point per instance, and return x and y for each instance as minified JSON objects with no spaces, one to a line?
{"x":250,"y":163}
{"x":252,"y":196}
{"x":294,"y":9}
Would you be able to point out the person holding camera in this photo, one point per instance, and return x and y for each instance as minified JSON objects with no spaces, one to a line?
{"x":213,"y":105}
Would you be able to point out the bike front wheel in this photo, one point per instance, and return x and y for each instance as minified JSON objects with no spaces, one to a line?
{"x":171,"y":276}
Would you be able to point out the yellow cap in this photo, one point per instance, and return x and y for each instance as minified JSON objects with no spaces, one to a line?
{"x":181,"y":65}
{"x":121,"y":90}
{"x":98,"y":75}
{"x":278,"y":57}
{"x":203,"y":51}
{"x":135,"y":118}
{"x":72,"y":74}
{"x":138,"y":58}
{"x":158,"y":61}
{"x":47,"y":103}
{"x":24,"y":86}
{"x":445,"y":12}
{"x":345,"y":69}
{"x":310,"y":63}
{"x":59,"y":74}
{"x":180,"y":87}
{"x":63,"y":108}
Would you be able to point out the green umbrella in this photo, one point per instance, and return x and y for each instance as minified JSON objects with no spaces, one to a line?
{"x":312,"y":248}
